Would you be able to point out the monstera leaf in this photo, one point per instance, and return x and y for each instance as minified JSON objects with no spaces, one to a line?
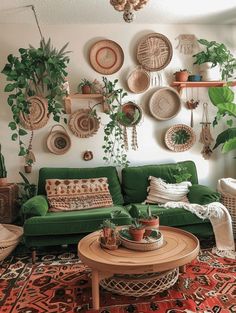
{"x":228,"y":139}
{"x":220,"y":95}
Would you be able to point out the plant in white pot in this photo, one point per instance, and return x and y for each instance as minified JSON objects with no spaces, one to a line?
{"x":215,"y":60}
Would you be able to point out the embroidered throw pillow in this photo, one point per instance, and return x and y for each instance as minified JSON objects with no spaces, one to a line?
{"x":78,"y":194}
{"x":161,"y":192}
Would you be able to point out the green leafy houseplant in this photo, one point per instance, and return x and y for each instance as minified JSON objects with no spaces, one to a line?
{"x":26,"y":190}
{"x":3,"y":171}
{"x":113,"y":145}
{"x":223,"y":99}
{"x":85,"y":86}
{"x":216,"y":53}
{"x":37,"y":71}
{"x":181,"y":174}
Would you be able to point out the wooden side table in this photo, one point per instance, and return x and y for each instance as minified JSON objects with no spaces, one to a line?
{"x":8,"y":205}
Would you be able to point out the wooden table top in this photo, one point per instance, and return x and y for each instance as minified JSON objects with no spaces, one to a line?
{"x":179,"y":248}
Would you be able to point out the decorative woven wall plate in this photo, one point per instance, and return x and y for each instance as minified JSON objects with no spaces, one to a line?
{"x":138,"y":80}
{"x":38,"y":116}
{"x":130,"y":114}
{"x":154,"y":52}
{"x":83,"y":124}
{"x":165,"y":103}
{"x":58,"y":141}
{"x":106,"y":57}
{"x":180,"y":138}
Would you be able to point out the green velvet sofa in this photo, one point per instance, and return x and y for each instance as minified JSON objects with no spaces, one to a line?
{"x":56,"y":228}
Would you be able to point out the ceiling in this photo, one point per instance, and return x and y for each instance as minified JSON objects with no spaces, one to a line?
{"x":100,"y":11}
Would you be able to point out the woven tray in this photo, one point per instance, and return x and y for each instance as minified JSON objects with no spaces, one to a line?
{"x":138,"y":80}
{"x":153,"y":242}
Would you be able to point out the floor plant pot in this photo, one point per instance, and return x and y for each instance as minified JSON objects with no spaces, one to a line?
{"x":149,"y":224}
{"x":137,"y":233}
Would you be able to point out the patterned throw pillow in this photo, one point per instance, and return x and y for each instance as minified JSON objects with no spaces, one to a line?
{"x":161,"y":192}
{"x":78,"y":194}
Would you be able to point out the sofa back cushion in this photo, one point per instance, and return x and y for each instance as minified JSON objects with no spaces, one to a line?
{"x":135,"y":179}
{"x":78,"y":194}
{"x":83,"y":173}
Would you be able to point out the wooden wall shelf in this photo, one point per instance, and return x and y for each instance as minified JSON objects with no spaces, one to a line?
{"x":81,"y":96}
{"x":181,"y":85}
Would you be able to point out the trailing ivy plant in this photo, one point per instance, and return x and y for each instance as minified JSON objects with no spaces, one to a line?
{"x":113,"y":146}
{"x":37,"y":71}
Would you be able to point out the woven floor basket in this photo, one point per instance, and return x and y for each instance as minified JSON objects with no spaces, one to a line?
{"x":230,"y":203}
{"x":141,"y":284}
{"x":7,"y":246}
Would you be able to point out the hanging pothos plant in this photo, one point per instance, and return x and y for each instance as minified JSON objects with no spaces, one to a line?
{"x":113,"y":146}
{"x":36,"y":72}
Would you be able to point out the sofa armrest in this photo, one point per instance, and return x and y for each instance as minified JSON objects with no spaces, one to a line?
{"x":35,"y":206}
{"x":202,"y":194}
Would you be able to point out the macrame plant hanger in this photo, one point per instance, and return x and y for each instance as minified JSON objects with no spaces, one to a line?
{"x":205,"y":135}
{"x":30,"y":157}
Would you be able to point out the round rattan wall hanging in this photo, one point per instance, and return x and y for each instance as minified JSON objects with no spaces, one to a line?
{"x":165,"y":103}
{"x":180,"y":138}
{"x":38,"y":116}
{"x":106,"y":57}
{"x":138,"y":80}
{"x":154,"y":52}
{"x":83,"y":124}
{"x":58,"y":141}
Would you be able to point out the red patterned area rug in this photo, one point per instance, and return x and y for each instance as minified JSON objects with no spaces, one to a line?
{"x":62,"y":284}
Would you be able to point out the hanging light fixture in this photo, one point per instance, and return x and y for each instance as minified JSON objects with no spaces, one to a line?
{"x":128,"y":6}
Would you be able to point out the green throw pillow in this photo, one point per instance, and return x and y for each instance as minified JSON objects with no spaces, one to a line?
{"x":36,"y":206}
{"x":202,"y":195}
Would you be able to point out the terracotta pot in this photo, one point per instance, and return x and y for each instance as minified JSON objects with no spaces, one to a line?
{"x":137,"y":234}
{"x":149,"y":224}
{"x":181,"y":76}
{"x":107,"y":232}
{"x":86,"y":89}
{"x":28,"y":168}
{"x":3,"y":181}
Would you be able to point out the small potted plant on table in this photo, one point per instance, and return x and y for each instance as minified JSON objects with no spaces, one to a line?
{"x":109,"y":238}
{"x":149,"y":221}
{"x":136,"y":230}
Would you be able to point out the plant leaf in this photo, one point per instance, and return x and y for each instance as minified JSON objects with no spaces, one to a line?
{"x":225,"y":136}
{"x":9,"y":87}
{"x":221,"y":95}
{"x":229,"y":145}
{"x":229,"y":108}
{"x":12,"y":125}
{"x":22,"y":132}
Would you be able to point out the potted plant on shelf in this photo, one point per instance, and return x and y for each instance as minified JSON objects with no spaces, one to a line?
{"x":181,"y":75}
{"x":216,"y":61}
{"x":136,"y":230}
{"x":3,"y":172}
{"x":85,"y":86}
{"x":28,"y":165}
{"x":149,"y":221}
{"x":36,"y":72}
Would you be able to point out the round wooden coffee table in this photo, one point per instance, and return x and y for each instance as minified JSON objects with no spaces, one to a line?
{"x":179,"y":248}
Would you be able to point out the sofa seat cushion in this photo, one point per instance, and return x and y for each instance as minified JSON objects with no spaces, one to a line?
{"x":73,"y":222}
{"x":135,"y":179}
{"x":170,"y":217}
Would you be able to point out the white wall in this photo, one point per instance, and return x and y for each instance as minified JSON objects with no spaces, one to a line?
{"x":150,"y":131}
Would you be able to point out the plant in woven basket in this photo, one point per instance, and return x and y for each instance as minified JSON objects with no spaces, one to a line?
{"x":180,"y":137}
{"x":37,"y":71}
{"x":113,"y":146}
{"x":3,"y":171}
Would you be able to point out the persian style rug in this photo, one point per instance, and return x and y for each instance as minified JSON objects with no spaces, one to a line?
{"x":57,"y":284}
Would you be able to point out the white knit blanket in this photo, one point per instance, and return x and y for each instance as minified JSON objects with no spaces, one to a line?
{"x":221,"y":222}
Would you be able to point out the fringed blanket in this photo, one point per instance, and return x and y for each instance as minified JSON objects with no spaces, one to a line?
{"x":221,"y":222}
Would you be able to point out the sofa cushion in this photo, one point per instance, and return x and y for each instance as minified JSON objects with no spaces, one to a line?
{"x":202,"y":195}
{"x":135,"y":179}
{"x":161,"y":192}
{"x":78,"y":173}
{"x":171,"y":217}
{"x":73,"y":222}
{"x":36,"y":206}
{"x":78,"y":194}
